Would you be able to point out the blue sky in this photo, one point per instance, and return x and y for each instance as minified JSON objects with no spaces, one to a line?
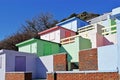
{"x":13,"y":13}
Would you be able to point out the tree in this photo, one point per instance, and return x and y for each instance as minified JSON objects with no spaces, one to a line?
{"x":28,"y":30}
{"x":40,"y":23}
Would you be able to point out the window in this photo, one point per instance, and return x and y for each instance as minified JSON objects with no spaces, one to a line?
{"x":67,"y":34}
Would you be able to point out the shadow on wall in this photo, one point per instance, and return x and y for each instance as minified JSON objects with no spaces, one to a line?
{"x":63,"y":50}
{"x":41,"y":69}
{"x":107,"y":42}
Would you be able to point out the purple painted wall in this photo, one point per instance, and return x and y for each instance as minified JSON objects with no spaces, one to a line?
{"x":30,"y":62}
{"x":18,"y":61}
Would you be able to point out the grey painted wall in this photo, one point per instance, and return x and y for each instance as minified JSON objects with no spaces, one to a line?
{"x":44,"y":64}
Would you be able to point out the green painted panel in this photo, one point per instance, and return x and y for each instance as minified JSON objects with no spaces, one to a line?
{"x":113,"y":22}
{"x":41,"y":47}
{"x":47,"y":48}
{"x":85,"y":43}
{"x":73,"y":48}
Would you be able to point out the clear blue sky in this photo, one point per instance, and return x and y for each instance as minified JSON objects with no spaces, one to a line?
{"x":13,"y":13}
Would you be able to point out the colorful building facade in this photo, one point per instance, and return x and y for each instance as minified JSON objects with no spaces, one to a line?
{"x":55,"y":34}
{"x":59,"y":52}
{"x":73,"y":23}
{"x":39,"y":47}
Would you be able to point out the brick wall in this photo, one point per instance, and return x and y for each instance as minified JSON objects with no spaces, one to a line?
{"x":50,"y":76}
{"x":18,"y":76}
{"x":60,"y":62}
{"x":85,"y":76}
{"x":88,"y":60}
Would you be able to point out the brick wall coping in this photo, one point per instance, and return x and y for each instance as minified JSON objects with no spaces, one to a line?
{"x":60,"y":53}
{"x":86,"y":49}
{"x":83,"y":71}
{"x":18,"y":72}
{"x":52,"y":55}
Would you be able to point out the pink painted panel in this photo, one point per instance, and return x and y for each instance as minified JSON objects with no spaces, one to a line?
{"x":99,"y":39}
{"x":102,"y":41}
{"x":66,"y":33}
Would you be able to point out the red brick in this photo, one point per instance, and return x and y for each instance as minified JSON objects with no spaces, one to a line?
{"x":18,"y":76}
{"x":88,"y":60}
{"x":50,"y":76}
{"x":85,"y":76}
{"x":60,"y":62}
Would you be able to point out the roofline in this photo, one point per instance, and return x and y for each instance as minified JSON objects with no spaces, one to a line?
{"x":26,"y":41}
{"x":33,"y":39}
{"x":66,"y":20}
{"x":99,"y":16}
{"x":51,"y":29}
{"x":4,"y":51}
{"x":48,"y":30}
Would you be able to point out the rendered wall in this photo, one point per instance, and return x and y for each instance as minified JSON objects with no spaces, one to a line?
{"x":50,"y":64}
{"x":116,"y":13}
{"x":30,"y":61}
{"x":107,"y":58}
{"x":81,"y":23}
{"x":99,"y":18}
{"x":64,"y":31}
{"x":73,"y":48}
{"x":103,"y":41}
{"x":56,"y":35}
{"x":52,"y":36}
{"x":2,"y":66}
{"x":30,"y":47}
{"x":72,"y":24}
{"x":111,"y":38}
{"x":44,"y":64}
{"x":105,"y":23}
{"x":39,"y":47}
{"x":47,"y":48}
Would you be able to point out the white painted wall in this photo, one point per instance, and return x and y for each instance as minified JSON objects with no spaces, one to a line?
{"x":71,"y":25}
{"x":31,"y":48}
{"x":112,"y":38}
{"x":116,"y":15}
{"x":48,"y":62}
{"x":45,"y":36}
{"x":118,"y":38}
{"x":52,"y":36}
{"x":44,"y":64}
{"x":107,"y":58}
{"x":99,"y":18}
{"x":105,"y":23}
{"x":25,"y":48}
{"x":116,"y":11}
{"x":2,"y":66}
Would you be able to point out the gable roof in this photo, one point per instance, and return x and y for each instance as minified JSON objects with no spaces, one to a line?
{"x":33,"y":40}
{"x":5,"y":51}
{"x":68,"y":20}
{"x":53,"y":29}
